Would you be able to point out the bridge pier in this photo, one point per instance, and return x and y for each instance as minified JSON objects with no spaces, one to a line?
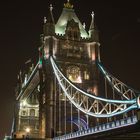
{"x":49,"y":91}
{"x":47,"y":104}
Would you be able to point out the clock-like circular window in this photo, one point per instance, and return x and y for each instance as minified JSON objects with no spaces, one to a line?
{"x":74,"y":74}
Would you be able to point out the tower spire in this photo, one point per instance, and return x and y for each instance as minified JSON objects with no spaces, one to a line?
{"x":51,"y":7}
{"x":92,"y":21}
{"x":93,"y":32}
{"x":50,"y":18}
{"x":45,"y":20}
{"x":49,"y":24}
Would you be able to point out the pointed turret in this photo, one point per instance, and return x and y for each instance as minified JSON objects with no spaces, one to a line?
{"x":49,"y":25}
{"x":93,"y":31}
{"x":50,"y":18}
{"x":92,"y":22}
{"x":68,"y":15}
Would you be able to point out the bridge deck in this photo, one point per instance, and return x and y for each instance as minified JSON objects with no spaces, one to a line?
{"x":101,"y":131}
{"x":131,"y":132}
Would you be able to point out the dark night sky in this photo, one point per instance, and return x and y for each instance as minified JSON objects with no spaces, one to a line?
{"x":21,"y":25}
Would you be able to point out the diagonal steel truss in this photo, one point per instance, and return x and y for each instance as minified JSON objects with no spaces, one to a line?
{"x":89,"y":103}
{"x":125,"y":91}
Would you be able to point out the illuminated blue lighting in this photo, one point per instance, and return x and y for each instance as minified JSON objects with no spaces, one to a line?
{"x":101,"y":128}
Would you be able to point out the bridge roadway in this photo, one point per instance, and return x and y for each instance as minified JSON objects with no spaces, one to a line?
{"x":108,"y":131}
{"x":124,"y":133}
{"x":110,"y":136}
{"x":125,"y":129}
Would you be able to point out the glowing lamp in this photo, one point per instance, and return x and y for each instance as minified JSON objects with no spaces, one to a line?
{"x":28,"y":130}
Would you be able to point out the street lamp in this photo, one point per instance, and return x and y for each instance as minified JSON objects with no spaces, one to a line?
{"x":27,"y":132}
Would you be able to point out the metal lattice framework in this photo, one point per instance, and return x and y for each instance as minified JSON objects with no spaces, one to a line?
{"x":89,"y":103}
{"x":125,"y":91}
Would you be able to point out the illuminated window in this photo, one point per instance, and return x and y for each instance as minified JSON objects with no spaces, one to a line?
{"x":86,"y":75}
{"x":74,"y":74}
{"x":72,"y":30}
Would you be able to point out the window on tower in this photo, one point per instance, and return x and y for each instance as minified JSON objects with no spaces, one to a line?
{"x":86,"y":75}
{"x":74,"y":74}
{"x":32,"y":112}
{"x":72,"y":30}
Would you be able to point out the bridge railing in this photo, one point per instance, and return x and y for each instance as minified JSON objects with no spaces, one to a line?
{"x":100,"y":128}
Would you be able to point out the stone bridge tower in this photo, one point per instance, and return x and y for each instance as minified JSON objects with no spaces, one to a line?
{"x":75,"y":50}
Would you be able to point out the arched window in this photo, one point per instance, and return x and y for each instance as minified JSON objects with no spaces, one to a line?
{"x":32,"y":112}
{"x":74,"y":74}
{"x":86,"y":75}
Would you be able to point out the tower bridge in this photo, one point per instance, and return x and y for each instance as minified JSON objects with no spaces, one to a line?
{"x":69,"y":94}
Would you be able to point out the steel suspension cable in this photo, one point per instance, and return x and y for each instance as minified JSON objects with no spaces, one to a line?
{"x":59,"y":99}
{"x":106,"y":92}
{"x":87,"y":94}
{"x":65,"y":114}
{"x":119,"y":86}
{"x":71,"y":121}
{"x":98,"y":100}
{"x":55,"y":90}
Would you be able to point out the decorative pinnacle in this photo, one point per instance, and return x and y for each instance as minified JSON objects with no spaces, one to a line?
{"x":51,"y":7}
{"x":84,"y":25}
{"x":18,"y":77}
{"x":45,"y":20}
{"x":20,"y":72}
{"x":92,"y":14}
{"x":68,"y":5}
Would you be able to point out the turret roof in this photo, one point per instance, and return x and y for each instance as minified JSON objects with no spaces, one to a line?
{"x":67,"y":15}
{"x":50,"y":18}
{"x":92,"y":22}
